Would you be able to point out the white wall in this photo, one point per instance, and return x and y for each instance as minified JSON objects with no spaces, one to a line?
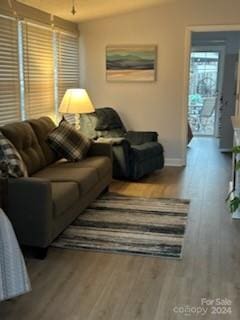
{"x":150,"y":106}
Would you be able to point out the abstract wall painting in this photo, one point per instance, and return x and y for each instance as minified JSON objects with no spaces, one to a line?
{"x":131,"y":63}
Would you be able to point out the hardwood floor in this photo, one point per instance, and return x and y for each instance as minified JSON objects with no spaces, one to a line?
{"x":75,"y":285}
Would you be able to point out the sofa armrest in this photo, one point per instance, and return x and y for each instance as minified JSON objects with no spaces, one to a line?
{"x":30,"y":210}
{"x":122,"y":159}
{"x":100,"y":149}
{"x":140,"y":137}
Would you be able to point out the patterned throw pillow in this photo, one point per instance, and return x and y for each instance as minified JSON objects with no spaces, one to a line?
{"x":68,"y":142}
{"x":9,"y":154}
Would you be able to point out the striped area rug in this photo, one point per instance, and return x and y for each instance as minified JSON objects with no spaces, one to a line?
{"x":133,"y":225}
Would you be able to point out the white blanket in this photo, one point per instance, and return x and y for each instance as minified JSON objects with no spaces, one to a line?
{"x":14,"y":279}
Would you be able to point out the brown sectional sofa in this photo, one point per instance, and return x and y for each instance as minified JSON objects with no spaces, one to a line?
{"x":42,"y":205}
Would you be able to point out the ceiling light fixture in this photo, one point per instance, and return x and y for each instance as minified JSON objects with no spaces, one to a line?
{"x":73,"y":11}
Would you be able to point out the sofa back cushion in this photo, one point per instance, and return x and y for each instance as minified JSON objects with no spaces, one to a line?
{"x":22,"y":136}
{"x":42,"y":127}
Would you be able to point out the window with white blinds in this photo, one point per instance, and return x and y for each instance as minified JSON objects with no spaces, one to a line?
{"x":38,"y":69}
{"x":37,"y":65}
{"x":67,"y":65}
{"x":9,"y":71}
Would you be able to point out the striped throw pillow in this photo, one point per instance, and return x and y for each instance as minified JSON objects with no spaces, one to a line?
{"x":68,"y":142}
{"x":9,"y":154}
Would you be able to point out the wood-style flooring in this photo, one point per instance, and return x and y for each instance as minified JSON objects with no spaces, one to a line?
{"x":75,"y":285}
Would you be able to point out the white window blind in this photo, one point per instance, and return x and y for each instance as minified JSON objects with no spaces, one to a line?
{"x":37,"y":66}
{"x":38,"y":70}
{"x":9,"y":71}
{"x":67,"y":65}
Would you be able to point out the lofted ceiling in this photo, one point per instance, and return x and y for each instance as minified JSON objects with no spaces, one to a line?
{"x":90,"y":9}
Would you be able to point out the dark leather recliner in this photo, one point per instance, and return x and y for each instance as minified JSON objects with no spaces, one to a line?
{"x":135,"y":154}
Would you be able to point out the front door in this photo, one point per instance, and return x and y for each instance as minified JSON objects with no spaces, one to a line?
{"x":205,"y":83}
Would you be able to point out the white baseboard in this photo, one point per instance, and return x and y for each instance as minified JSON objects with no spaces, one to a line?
{"x":174,"y":162}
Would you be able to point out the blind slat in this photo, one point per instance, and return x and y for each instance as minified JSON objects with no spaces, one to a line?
{"x":67,"y":66}
{"x":38,"y":70}
{"x":9,"y":73}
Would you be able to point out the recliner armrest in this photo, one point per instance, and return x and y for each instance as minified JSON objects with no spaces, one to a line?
{"x":100,"y":149}
{"x":30,"y":210}
{"x":140,"y":137}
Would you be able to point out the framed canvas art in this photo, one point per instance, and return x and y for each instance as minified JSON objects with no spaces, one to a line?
{"x":131,"y":63}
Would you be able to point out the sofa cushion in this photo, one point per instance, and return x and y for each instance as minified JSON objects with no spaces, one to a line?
{"x":147,"y":151}
{"x":64,"y":195}
{"x":9,"y":154}
{"x":101,"y":164}
{"x":69,"y":142}
{"x":86,"y":178}
{"x":42,"y":127}
{"x":22,"y":136}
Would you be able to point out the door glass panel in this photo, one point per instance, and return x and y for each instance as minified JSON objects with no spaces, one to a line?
{"x":203,"y":86}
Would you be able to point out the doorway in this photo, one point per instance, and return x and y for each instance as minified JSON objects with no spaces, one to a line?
{"x":223,"y":126}
{"x":205,"y":85}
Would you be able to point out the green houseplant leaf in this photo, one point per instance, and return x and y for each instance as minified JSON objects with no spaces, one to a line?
{"x":236,"y":149}
{"x":234,"y":201}
{"x":234,"y":204}
{"x":237,"y":166}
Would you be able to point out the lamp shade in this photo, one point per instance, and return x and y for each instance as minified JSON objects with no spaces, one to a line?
{"x":76,"y":101}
